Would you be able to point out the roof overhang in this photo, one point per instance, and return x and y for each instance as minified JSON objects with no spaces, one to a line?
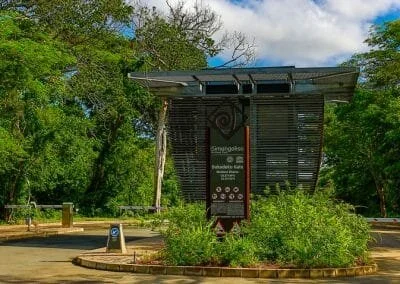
{"x":335,"y":83}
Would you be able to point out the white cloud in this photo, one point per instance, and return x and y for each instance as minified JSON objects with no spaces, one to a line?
{"x":300,"y":32}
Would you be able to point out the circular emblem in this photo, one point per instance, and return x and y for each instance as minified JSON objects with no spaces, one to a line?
{"x":223,"y":196}
{"x":236,"y":189}
{"x":218,"y":189}
{"x":227,"y":189}
{"x":114,"y":232}
{"x":240,"y":196}
{"x":214,"y":196}
{"x":231,"y":196}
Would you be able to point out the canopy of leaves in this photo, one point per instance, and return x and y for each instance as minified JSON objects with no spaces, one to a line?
{"x":45,"y":144}
{"x":167,"y":47}
{"x":362,"y":139}
{"x":362,"y":142}
{"x":184,"y":37}
{"x":381,"y":65}
{"x":76,"y":21}
{"x":73,"y":126}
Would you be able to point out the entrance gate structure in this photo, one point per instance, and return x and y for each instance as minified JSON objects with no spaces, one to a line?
{"x":235,"y":131}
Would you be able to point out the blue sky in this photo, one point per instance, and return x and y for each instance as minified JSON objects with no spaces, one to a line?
{"x":389,"y":16}
{"x":299,"y":32}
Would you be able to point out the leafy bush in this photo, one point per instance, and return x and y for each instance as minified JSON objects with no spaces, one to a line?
{"x":237,"y":250}
{"x":291,"y":228}
{"x":189,"y":238}
{"x":41,"y":215}
{"x":304,"y":230}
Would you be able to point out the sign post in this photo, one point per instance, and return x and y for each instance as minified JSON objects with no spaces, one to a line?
{"x":228,"y":171}
{"x":116,"y":239}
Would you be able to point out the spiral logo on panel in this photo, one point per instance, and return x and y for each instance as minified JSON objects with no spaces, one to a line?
{"x":227,"y":117}
{"x":225,"y":120}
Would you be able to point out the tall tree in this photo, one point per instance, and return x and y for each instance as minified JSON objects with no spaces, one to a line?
{"x":94,"y":91}
{"x":178,"y":40}
{"x":101,"y":93}
{"x":363,"y":138}
{"x":34,"y":117}
{"x":380,"y":66}
{"x":187,"y":31}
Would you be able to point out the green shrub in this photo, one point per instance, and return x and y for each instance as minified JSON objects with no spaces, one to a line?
{"x":295,"y":228}
{"x":189,"y":238}
{"x":237,"y":250}
{"x":291,"y":228}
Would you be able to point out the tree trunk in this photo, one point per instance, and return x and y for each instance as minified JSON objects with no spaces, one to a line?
{"x":93,"y":196}
{"x":382,"y":201}
{"x":161,"y":152}
{"x":14,"y":189}
{"x":15,"y":185}
{"x":381,"y":194}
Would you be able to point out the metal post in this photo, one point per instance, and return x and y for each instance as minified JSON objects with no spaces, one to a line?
{"x":67,"y":215}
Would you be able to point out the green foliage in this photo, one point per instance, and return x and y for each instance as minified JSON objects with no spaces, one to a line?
{"x":291,"y":228}
{"x":362,"y":141}
{"x":362,"y":138}
{"x":236,"y":250}
{"x":10,"y":151}
{"x":189,"y":238}
{"x":77,"y":21}
{"x":171,"y":190}
{"x":31,"y":118}
{"x":294,"y":228}
{"x":68,"y":108}
{"x":124,"y":185}
{"x":47,"y":215}
{"x":73,"y":125}
{"x":168,"y":46}
{"x":381,"y":65}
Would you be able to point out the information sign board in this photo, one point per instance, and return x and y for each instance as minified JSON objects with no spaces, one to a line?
{"x":227,"y":175}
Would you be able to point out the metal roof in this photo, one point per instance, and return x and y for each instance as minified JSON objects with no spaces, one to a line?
{"x":335,"y":83}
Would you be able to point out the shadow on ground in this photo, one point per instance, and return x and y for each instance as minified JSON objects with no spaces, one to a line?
{"x":68,"y":241}
{"x":12,"y":279}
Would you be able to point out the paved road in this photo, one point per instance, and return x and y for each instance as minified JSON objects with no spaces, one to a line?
{"x":48,"y":260}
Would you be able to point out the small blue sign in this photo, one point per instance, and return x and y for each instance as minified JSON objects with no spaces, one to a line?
{"x":114,"y":232}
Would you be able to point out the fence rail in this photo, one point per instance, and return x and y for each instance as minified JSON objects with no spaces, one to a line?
{"x":138,"y":207}
{"x":383,"y":220}
{"x":54,"y":206}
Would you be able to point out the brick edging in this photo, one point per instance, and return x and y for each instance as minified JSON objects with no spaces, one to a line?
{"x":227,"y":271}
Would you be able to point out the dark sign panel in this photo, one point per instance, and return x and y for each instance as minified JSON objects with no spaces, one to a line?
{"x":227,"y":175}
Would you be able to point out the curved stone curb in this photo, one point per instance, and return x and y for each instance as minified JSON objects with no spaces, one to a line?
{"x":227,"y":271}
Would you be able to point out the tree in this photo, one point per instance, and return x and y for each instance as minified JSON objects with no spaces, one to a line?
{"x":39,"y":125}
{"x":362,"y":138}
{"x":181,"y":39}
{"x":112,"y":102}
{"x":75,"y":21}
{"x":98,"y":82}
{"x":362,"y":142}
{"x":81,"y":110}
{"x":163,"y":37}
{"x":381,"y":65}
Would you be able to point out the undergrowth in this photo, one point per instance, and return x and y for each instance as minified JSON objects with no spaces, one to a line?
{"x":290,"y":228}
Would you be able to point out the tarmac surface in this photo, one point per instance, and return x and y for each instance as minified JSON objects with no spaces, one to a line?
{"x":48,"y":260}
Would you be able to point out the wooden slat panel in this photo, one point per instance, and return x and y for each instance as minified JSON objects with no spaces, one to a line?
{"x":286,"y":140}
{"x":285,"y":145}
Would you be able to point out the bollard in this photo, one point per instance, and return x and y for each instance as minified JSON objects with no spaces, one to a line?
{"x":116,"y":239}
{"x":28,"y":222}
{"x":67,"y":215}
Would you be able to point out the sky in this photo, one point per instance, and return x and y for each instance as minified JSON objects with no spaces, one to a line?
{"x":302,"y":33}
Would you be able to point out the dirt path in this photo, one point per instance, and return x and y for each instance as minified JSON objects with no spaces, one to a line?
{"x":386,"y":252}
